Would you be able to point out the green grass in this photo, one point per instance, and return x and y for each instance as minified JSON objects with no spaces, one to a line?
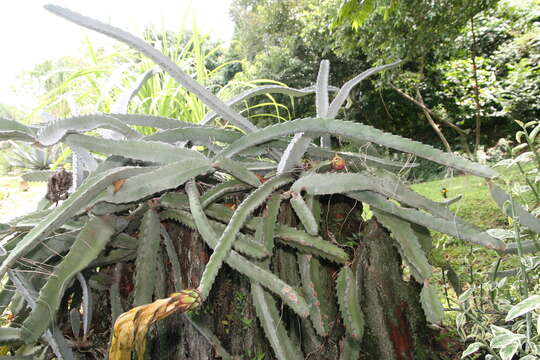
{"x":471,"y":263}
{"x":476,"y":204}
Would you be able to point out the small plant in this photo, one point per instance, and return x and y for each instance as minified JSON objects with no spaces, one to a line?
{"x":509,"y":324}
{"x":116,"y":210}
{"x":27,"y":157}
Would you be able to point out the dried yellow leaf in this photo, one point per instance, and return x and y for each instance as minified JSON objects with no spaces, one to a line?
{"x":131,"y":327}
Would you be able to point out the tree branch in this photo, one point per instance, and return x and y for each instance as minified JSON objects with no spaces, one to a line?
{"x":425,"y":108}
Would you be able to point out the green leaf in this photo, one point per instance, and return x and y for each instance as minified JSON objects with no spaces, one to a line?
{"x":254,"y":272}
{"x":351,"y":350}
{"x":269,"y":89}
{"x":345,"y":90}
{"x":286,"y":235}
{"x":529,"y":304}
{"x":115,"y":299}
{"x":471,"y":349}
{"x":384,"y":183}
{"x":310,"y":244}
{"x":176,"y":270}
{"x":75,"y":321}
{"x":208,"y":229}
{"x":14,"y":130}
{"x":270,"y":221}
{"x":299,"y":144}
{"x":10,"y":336}
{"x":38,"y":175}
{"x":525,"y":218}
{"x":508,"y":352}
{"x":195,"y":135}
{"x":158,"y":122}
{"x":90,"y":242}
{"x":86,"y":303}
{"x":294,"y":152}
{"x":321,"y":94}
{"x":502,"y":340}
{"x":317,"y":286}
{"x":304,"y":213}
{"x":223,"y":189}
{"x":237,"y":170}
{"x":465,"y":230}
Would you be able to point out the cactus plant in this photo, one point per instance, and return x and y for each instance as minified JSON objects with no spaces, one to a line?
{"x":120,"y":213}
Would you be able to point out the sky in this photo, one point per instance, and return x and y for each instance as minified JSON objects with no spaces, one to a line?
{"x":29,"y":34}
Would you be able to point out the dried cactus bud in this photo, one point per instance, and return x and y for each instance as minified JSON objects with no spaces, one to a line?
{"x":131,"y":327}
{"x":307,"y":164}
{"x":338,"y":163}
{"x":231,"y":205}
{"x":261,"y":178}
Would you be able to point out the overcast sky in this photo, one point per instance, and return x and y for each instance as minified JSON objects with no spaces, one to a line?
{"x":29,"y":34}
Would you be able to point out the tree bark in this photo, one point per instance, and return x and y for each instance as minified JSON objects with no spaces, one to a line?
{"x":395,"y":323}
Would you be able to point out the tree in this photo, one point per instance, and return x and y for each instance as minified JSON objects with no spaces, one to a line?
{"x":267,"y":228}
{"x":386,"y":35}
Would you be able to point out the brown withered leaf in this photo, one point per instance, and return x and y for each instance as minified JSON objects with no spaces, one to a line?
{"x":131,"y":327}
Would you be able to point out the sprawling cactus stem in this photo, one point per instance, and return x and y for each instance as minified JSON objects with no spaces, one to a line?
{"x":112,"y":188}
{"x":131,"y":327}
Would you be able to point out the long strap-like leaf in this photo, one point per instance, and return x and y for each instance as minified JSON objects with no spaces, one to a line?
{"x":196,"y":135}
{"x":14,"y":130}
{"x":386,"y":184}
{"x":157,"y":122}
{"x":300,"y":143}
{"x":515,"y":209}
{"x":286,"y":235}
{"x":275,"y":331}
{"x":409,"y":245}
{"x":147,"y":251}
{"x":166,"y":64}
{"x":121,"y":104}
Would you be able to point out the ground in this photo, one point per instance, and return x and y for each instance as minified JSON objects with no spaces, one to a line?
{"x":18,"y":198}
